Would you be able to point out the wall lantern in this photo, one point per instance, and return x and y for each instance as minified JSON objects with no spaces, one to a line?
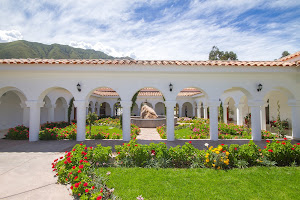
{"x":171,"y":87}
{"x":259,"y":87}
{"x":79,"y":87}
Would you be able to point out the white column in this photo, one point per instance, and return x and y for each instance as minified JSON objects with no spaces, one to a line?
{"x":199,"y":110}
{"x":87,"y":110}
{"x":239,"y":114}
{"x":213,"y":119}
{"x":112,"y":110}
{"x":170,"y":119}
{"x":81,"y":106}
{"x":263,"y":117}
{"x":35,"y":121}
{"x":179,"y":110}
{"x":92,"y":108}
{"x":225,"y":113}
{"x":193,"y":109}
{"x":126,"y":119}
{"x":25,"y":114}
{"x":50,"y":112}
{"x":295,"y":108}
{"x":205,"y":111}
{"x":66,"y":107}
{"x":98,"y":109}
{"x":255,"y":119}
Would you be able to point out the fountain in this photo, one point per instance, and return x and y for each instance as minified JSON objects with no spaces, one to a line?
{"x":149,"y":118}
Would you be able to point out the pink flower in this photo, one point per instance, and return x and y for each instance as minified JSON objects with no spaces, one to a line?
{"x":270,"y":150}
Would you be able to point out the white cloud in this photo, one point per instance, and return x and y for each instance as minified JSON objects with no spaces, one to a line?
{"x":10,"y":35}
{"x":190,"y":33}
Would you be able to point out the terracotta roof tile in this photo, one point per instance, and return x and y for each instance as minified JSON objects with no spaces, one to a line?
{"x":280,"y":63}
{"x":290,"y":56}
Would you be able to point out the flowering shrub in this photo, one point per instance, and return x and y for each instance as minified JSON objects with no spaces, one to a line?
{"x":162,"y":131}
{"x":51,"y":125}
{"x":113,"y":122}
{"x":135,"y":131}
{"x":282,"y":152}
{"x":217,"y":157}
{"x":18,"y":133}
{"x":268,"y":135}
{"x":75,"y":169}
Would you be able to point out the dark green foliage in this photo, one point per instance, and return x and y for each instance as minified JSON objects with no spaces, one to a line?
{"x":25,"y":49}
{"x":284,"y":54}
{"x":216,"y":54}
{"x":70,"y":109}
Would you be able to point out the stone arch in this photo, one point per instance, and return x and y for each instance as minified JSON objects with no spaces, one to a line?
{"x":56,"y":92}
{"x":87,"y":97}
{"x":13,"y":110}
{"x":187,"y":109}
{"x":160,"y":108}
{"x":105,"y":109}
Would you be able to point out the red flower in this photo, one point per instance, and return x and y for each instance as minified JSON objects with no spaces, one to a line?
{"x":55,"y":160}
{"x":74,"y":167}
{"x":222,"y":144}
{"x":74,"y":150}
{"x":85,"y":148}
{"x":259,"y":149}
{"x":76,"y":185}
{"x":270,"y":150}
{"x":71,"y":187}
{"x":80,"y":144}
{"x":91,"y":147}
{"x":128,"y":144}
{"x":79,"y":171}
{"x":293,"y":148}
{"x":277,"y":142}
{"x":85,"y":157}
{"x":268,"y":141}
{"x":66,"y":162}
{"x":285,"y":138}
{"x":265,"y":147}
{"x":99,"y":198}
{"x":93,"y":187}
{"x":135,"y":145}
{"x":80,"y":161}
{"x":61,"y":157}
{"x":85,"y":184}
{"x":118,"y":152}
{"x":235,"y":148}
{"x":80,"y":166}
{"x":283,"y":143}
{"x":123,"y":143}
{"x":75,"y":177}
{"x":298,"y":143}
{"x":86,"y":190}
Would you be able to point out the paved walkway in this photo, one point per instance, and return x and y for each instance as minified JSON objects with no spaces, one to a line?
{"x":30,"y":176}
{"x":148,"y":134}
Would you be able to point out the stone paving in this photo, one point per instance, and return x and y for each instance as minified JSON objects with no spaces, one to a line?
{"x":148,"y":134}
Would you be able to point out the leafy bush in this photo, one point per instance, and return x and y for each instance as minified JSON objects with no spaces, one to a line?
{"x":217,"y":157}
{"x":18,"y":133}
{"x":52,"y":125}
{"x":162,"y":131}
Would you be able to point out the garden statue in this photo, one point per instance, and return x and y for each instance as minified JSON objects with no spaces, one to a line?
{"x":148,"y":113}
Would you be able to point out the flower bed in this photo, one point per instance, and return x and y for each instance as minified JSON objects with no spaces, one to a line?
{"x":199,"y":129}
{"x":18,"y":133}
{"x":78,"y":166}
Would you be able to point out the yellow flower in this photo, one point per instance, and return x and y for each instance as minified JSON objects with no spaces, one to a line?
{"x":215,"y":161}
{"x":217,"y":152}
{"x":210,"y":147}
{"x":206,"y":156}
{"x":219,"y":167}
{"x":226,"y":162}
{"x":213,"y":165}
{"x":227,"y":153}
{"x":207,"y":160}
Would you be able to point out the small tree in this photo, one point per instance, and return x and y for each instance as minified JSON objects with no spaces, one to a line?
{"x":284,"y":54}
{"x":216,"y":54}
{"x":91,"y":118}
{"x":221,"y":113}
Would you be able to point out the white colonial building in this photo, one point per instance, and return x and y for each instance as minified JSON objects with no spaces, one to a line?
{"x":34,"y":91}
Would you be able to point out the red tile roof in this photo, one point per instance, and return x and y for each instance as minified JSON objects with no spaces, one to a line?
{"x":146,"y":92}
{"x":290,"y":56}
{"x":152,"y":62}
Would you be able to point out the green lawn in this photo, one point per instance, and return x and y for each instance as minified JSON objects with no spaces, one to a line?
{"x":183,"y":133}
{"x":251,"y":183}
{"x":100,"y":132}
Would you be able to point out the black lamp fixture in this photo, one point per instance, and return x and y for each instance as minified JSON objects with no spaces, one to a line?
{"x":259,"y":87}
{"x":79,"y":87}
{"x":171,"y":87}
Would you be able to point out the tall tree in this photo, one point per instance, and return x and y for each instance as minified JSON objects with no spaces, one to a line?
{"x":216,"y":54}
{"x":284,"y":54}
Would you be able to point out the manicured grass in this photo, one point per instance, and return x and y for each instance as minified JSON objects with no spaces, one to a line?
{"x":105,"y":129}
{"x":183,"y":133}
{"x":251,"y":183}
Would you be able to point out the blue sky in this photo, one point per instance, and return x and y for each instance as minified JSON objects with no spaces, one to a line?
{"x":158,"y":29}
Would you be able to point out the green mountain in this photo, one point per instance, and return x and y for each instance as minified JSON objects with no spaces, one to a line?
{"x":25,"y":49}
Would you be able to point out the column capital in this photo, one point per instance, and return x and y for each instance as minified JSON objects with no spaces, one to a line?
{"x":214,"y":103}
{"x":170,"y":103}
{"x":82,"y":103}
{"x":255,"y":103}
{"x":126,"y":104}
{"x":34,"y":103}
{"x":23,"y":105}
